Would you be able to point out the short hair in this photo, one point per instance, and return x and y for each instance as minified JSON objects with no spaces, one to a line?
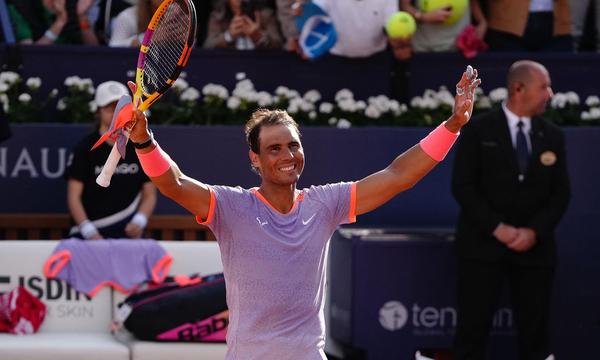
{"x":520,"y":72}
{"x":266,"y":117}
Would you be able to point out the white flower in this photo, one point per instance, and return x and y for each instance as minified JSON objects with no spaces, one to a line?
{"x":264,"y":99}
{"x":498,"y":95}
{"x":306,"y":106}
{"x":347,"y":104}
{"x":61,"y":105}
{"x":282,"y":91}
{"x":53,"y":93}
{"x":430,"y":103}
{"x":372,"y":112}
{"x":131,"y":73}
{"x":240,"y":76}
{"x":325,"y":108}
{"x":5,"y":102}
{"x":344,"y":124}
{"x":479,"y":92}
{"x":190,"y":94}
{"x":395,"y":107}
{"x":312,"y":115}
{"x":292,"y":108}
{"x":382,"y":103}
{"x":233,"y":103}
{"x":183,"y":75}
{"x":585,"y":115}
{"x":484,"y":102}
{"x":360,"y":105}
{"x":416,"y":102}
{"x":293,"y":94}
{"x":245,"y":84}
{"x":592,"y":101}
{"x":215,"y":90}
{"x":244,"y":89}
{"x":595,"y":113}
{"x":3,"y":87}
{"x":572,"y":98}
{"x":72,"y":80}
{"x":332,"y":121}
{"x":559,"y":101}
{"x":24,"y":98}
{"x":92,"y":106}
{"x":312,"y":96}
{"x":33,"y":82}
{"x":429,"y":93}
{"x":9,"y":77}
{"x":180,"y":85}
{"x":343,"y":94}
{"x":87,"y":82}
{"x":445,"y":97}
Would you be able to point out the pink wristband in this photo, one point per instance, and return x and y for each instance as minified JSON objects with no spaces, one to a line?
{"x":155,"y":162}
{"x":439,"y":142}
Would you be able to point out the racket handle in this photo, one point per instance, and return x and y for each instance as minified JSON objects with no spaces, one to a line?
{"x":110,"y":165}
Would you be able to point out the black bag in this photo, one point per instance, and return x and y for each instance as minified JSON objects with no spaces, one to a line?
{"x":195,"y":312}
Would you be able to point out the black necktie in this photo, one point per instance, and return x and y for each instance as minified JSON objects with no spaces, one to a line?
{"x":522,"y":149}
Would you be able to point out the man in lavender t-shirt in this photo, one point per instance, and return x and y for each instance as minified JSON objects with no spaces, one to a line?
{"x":274,"y":238}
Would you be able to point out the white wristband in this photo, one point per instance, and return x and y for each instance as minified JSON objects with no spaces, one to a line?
{"x":87,"y":229}
{"x":140,"y":220}
{"x":50,"y":35}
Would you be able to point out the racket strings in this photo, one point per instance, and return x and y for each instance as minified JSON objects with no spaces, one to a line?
{"x":166,"y":46}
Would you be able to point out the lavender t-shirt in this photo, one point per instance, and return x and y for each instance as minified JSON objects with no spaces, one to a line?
{"x":274,"y":266}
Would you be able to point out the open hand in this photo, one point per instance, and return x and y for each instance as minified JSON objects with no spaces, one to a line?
{"x":464,"y":99}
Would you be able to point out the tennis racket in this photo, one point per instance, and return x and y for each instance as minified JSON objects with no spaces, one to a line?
{"x":164,"y":52}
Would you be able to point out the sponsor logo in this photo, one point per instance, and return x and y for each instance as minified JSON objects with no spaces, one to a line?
{"x":305,"y":222}
{"x":49,"y":163}
{"x":123,"y":169}
{"x":393,"y":315}
{"x":211,"y":329}
{"x":261,"y":223}
{"x":434,"y":321}
{"x":46,"y":289}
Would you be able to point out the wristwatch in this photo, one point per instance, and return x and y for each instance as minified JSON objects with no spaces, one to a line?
{"x":146,"y":143}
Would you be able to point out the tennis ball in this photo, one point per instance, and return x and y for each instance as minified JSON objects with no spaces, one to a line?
{"x":400,"y":25}
{"x":457,"y":7}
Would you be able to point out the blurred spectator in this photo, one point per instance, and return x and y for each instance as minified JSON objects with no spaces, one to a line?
{"x":129,"y":26}
{"x":434,"y":35}
{"x":359,"y":25}
{"x":122,"y":209}
{"x":243,"y":25}
{"x":285,"y":14}
{"x":579,"y":11}
{"x":102,"y":15}
{"x":536,"y":25}
{"x":203,"y":10}
{"x":46,"y":22}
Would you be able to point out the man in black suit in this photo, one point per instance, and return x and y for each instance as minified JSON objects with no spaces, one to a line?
{"x":510,"y":180}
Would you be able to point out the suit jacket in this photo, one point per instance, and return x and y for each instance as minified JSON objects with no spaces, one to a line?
{"x":485,"y":183}
{"x":511,"y":16}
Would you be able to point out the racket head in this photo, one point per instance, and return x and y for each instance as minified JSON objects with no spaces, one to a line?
{"x":165,"y":50}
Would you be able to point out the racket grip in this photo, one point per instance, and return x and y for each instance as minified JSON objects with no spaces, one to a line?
{"x":110,"y":165}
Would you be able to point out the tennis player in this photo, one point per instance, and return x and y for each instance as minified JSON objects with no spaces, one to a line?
{"x":274,"y":238}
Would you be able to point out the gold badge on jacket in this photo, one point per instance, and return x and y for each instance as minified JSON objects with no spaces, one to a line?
{"x":548,"y":158}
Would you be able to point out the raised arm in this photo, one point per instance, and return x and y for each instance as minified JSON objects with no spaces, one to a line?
{"x":411,"y":166}
{"x":165,"y":174}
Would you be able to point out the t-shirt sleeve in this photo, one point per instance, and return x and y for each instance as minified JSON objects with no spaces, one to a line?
{"x":225,"y":204}
{"x":339,"y":199}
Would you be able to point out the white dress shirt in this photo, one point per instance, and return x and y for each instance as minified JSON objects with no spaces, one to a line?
{"x":513,"y":120}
